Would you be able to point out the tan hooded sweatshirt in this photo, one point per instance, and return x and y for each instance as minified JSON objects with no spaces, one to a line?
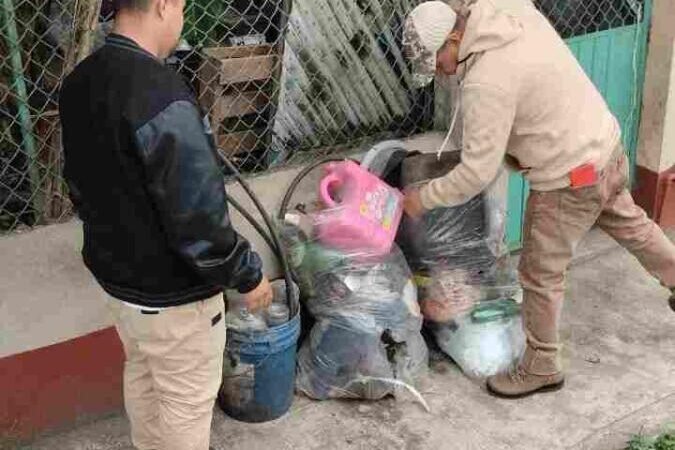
{"x":523,"y":94}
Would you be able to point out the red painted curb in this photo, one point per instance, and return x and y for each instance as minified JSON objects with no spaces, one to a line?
{"x":54,"y":386}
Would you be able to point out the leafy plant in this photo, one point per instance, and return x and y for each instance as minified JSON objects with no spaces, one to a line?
{"x":664,"y":441}
{"x":641,"y":442}
{"x":205,"y":21}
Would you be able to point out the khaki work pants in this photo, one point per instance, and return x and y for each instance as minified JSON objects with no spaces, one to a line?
{"x":555,"y":223}
{"x":172,"y":373}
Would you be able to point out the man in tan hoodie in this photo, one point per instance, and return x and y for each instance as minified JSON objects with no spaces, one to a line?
{"x":525,"y":98}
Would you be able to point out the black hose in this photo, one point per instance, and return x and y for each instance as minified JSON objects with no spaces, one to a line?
{"x":254,"y":223}
{"x":283,"y":209}
{"x":272,"y":229}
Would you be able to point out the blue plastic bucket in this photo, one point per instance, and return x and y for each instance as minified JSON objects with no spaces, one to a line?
{"x":259,"y":372}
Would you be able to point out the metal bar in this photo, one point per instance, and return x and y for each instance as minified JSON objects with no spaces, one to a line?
{"x":18,"y":85}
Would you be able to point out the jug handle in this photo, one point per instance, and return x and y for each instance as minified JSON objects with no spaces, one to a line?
{"x":324,"y":189}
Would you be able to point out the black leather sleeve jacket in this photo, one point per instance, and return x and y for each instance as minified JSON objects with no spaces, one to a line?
{"x":143,"y":174}
{"x":187,"y":188}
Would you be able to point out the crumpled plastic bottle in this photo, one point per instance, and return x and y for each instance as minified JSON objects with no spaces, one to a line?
{"x":244,"y":321}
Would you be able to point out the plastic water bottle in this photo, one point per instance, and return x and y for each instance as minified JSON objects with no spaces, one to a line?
{"x":243,"y":321}
{"x":279,"y":292}
{"x":277,"y":314}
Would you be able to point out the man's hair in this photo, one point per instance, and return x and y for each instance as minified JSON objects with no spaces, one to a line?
{"x":134,"y":5}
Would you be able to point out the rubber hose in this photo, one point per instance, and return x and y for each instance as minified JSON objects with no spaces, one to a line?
{"x":273,"y":232}
{"x":283,"y":209}
{"x":254,"y":223}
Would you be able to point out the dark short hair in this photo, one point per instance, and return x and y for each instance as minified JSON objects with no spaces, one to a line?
{"x":131,"y":4}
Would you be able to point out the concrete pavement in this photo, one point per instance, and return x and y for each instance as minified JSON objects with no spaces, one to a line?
{"x":620,"y":351}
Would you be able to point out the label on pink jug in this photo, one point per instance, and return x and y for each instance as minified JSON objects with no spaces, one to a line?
{"x":390,"y":211}
{"x":380,"y":205}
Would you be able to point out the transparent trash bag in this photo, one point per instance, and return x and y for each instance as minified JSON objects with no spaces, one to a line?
{"x":484,"y":342}
{"x":458,"y":258}
{"x":366,"y":341}
{"x":463,"y":270}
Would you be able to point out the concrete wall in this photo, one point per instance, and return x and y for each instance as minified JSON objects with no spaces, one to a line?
{"x":656,"y":147}
{"x":655,"y":98}
{"x":657,"y":130}
{"x":47,"y":295}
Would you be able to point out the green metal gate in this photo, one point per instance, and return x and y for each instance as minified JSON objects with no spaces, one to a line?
{"x":609,"y":38}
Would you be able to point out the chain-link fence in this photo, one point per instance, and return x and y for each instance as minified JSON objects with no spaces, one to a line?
{"x":578,"y":17}
{"x":282,"y":81}
{"x":30,"y":157}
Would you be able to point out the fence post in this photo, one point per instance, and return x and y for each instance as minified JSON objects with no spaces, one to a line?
{"x":18,"y":86}
{"x":85,"y":20}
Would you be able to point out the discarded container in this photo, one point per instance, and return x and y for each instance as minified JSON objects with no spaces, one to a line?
{"x":363,"y":211}
{"x":239,"y":317}
{"x":486,"y":341}
{"x":259,"y":371}
{"x":244,"y":321}
{"x":279,"y":292}
{"x":277,"y":314}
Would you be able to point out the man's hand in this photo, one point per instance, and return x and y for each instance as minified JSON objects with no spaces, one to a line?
{"x":412,"y":204}
{"x":260,"y":297}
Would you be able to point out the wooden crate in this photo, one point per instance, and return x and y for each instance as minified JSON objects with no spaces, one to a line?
{"x":238,"y":142}
{"x":237,"y":104}
{"x":234,"y":82}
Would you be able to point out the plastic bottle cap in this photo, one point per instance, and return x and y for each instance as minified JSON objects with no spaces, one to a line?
{"x":293,"y":219}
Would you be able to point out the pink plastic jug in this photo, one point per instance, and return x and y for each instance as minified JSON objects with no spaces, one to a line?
{"x":363,"y":212}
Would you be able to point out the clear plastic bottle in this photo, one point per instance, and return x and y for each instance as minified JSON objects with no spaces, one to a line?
{"x":242,"y":320}
{"x":277,"y":314}
{"x":279,"y":292}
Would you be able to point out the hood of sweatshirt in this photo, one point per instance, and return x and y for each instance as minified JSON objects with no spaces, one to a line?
{"x":488,"y":27}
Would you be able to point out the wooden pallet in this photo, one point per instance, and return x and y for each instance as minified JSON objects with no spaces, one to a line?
{"x":237,"y":104}
{"x":233,"y":84}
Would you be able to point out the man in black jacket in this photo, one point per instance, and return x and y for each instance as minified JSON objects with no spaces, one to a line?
{"x":143,"y":174}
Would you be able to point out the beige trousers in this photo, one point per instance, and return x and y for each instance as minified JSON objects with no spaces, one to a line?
{"x":555,"y":223}
{"x":172,"y":373}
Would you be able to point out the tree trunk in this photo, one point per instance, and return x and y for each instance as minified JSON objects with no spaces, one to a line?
{"x":85,"y":21}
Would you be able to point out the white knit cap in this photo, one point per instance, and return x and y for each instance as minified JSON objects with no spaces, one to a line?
{"x":426,"y":30}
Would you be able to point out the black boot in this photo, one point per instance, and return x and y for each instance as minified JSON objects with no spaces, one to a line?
{"x":671,"y":300}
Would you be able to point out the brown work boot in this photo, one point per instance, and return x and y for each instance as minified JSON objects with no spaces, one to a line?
{"x":517,"y":383}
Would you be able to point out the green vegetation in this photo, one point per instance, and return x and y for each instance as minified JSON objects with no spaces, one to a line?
{"x":664,"y":441}
{"x":207,"y":21}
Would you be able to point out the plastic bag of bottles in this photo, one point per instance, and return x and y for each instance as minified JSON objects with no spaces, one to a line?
{"x":459,"y":257}
{"x":486,"y":341}
{"x":366,"y":341}
{"x":462,"y":268}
